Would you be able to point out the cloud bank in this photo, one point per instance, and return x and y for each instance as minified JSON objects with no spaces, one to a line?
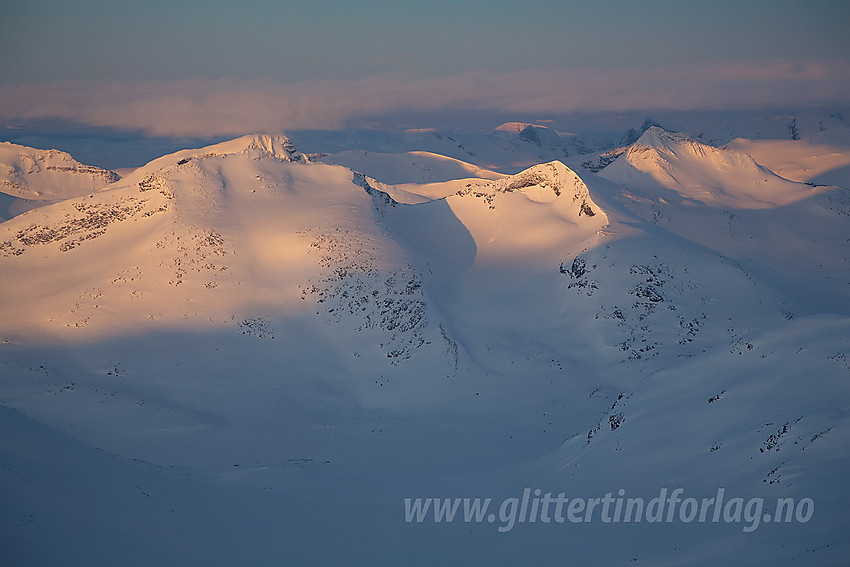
{"x":227,"y":106}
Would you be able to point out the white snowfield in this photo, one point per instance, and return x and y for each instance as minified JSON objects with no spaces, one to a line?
{"x":243,"y":354}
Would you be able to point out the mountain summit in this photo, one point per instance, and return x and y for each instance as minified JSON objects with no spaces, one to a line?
{"x":701,"y":174}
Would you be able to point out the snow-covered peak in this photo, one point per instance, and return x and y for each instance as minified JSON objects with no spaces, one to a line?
{"x":253,"y":145}
{"x":554,"y":176}
{"x":535,"y":134}
{"x":278,"y":146}
{"x":47,"y":175}
{"x":658,"y":144}
{"x":664,"y":144}
{"x":657,"y":137}
{"x":542,"y":183}
{"x":662,"y":160}
{"x":527,"y":219}
{"x":513,"y":127}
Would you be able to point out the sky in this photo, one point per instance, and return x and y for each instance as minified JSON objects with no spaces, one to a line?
{"x":208,"y":68}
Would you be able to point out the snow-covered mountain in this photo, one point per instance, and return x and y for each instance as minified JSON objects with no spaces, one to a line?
{"x":725,"y":200}
{"x":31,"y":178}
{"x":688,"y":170}
{"x":238,"y":349}
{"x":195,"y":229}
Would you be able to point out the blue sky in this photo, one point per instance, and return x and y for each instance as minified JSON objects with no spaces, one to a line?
{"x":208,"y":68}
{"x":291,"y":41}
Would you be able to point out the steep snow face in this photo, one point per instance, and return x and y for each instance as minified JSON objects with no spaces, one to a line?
{"x":675,"y":168}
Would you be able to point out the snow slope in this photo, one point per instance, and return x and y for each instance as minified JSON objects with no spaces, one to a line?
{"x":250,"y":357}
{"x":410,"y":167}
{"x":806,"y":161}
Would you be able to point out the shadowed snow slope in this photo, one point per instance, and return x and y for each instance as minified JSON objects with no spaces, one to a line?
{"x":253,"y":358}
